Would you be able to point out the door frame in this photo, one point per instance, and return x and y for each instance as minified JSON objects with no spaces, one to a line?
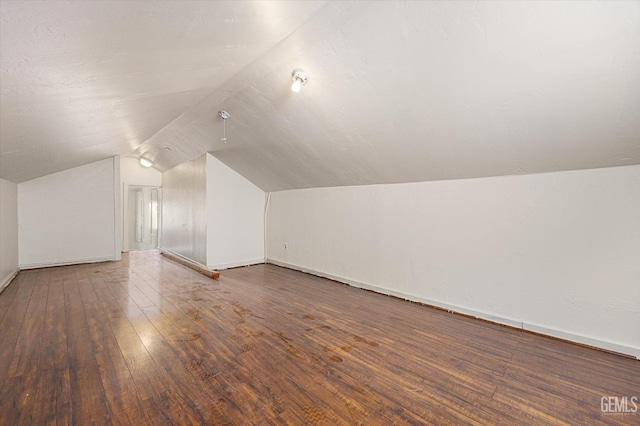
{"x":125,"y":214}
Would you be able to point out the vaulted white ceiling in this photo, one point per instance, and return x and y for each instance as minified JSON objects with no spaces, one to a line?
{"x":398,"y":91}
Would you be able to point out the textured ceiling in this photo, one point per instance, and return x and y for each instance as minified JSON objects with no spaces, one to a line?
{"x":398,"y":91}
{"x":85,"y":80}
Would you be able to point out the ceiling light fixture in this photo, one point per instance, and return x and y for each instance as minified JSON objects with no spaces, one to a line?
{"x":225,"y":116}
{"x":299,"y":78}
{"x":145,"y":162}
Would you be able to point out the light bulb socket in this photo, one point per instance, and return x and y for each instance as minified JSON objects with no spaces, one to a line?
{"x":299,"y":78}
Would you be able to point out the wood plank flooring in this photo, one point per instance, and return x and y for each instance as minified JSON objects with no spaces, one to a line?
{"x":148,"y":341}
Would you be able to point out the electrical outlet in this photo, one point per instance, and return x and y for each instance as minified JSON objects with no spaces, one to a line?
{"x":286,"y":246}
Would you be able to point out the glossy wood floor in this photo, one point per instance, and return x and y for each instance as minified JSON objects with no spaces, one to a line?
{"x":148,"y":341}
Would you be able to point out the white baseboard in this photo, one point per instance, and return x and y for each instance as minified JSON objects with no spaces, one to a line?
{"x":552,"y":332}
{"x":7,"y":280}
{"x":583,"y":340}
{"x":223,"y":266}
{"x":66,"y":262}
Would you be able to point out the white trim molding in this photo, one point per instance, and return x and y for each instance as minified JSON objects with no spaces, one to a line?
{"x":222,"y":266}
{"x":5,"y":283}
{"x":67,"y":262}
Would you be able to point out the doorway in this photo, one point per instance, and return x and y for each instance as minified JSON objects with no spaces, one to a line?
{"x":143,"y":217}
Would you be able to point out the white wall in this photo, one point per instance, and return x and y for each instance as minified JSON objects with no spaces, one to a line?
{"x":184,"y":210}
{"x":556,"y":253}
{"x":133,"y":174}
{"x":212,"y":215}
{"x":235,"y":218}
{"x":70,"y":216}
{"x":8,"y":232}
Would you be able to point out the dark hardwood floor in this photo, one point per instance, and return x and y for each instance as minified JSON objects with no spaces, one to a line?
{"x":148,"y":341}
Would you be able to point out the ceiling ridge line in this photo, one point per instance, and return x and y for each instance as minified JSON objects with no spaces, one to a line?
{"x":257,"y":63}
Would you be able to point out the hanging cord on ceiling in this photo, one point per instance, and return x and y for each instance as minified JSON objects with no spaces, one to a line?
{"x":224,"y":131}
{"x":224,"y":115}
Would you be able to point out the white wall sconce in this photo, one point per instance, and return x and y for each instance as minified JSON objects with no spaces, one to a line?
{"x":145,"y":162}
{"x":299,"y":78}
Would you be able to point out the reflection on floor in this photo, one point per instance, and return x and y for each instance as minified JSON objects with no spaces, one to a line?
{"x":148,"y":341}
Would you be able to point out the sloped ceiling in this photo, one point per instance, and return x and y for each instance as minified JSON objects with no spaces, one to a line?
{"x":398,"y":91}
